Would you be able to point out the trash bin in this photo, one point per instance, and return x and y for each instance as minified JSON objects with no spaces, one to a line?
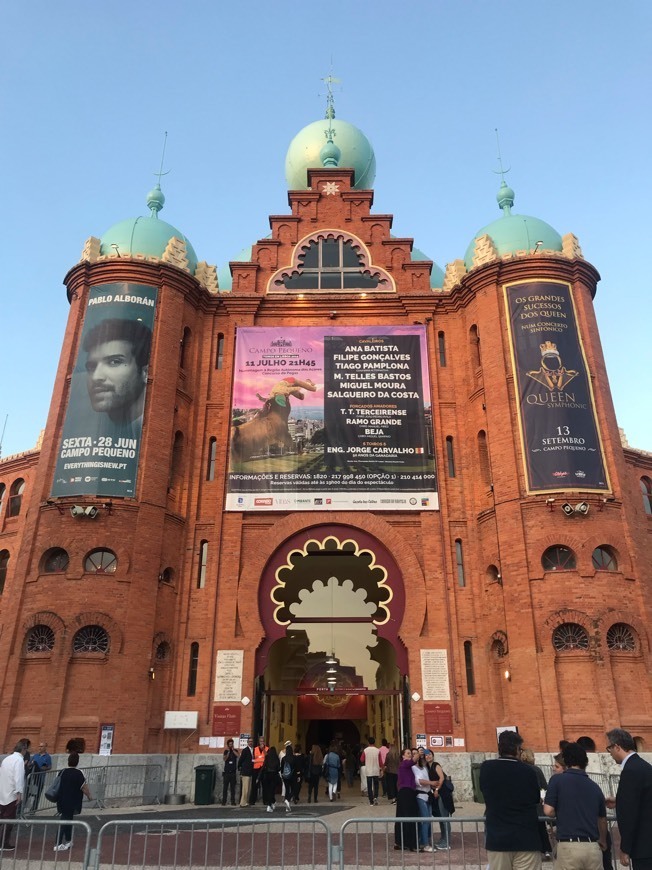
{"x":478,"y":797}
{"x":205,"y":778}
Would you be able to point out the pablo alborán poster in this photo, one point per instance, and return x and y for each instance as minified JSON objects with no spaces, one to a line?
{"x":331,"y":418}
{"x":99,"y":449}
{"x":559,"y":431}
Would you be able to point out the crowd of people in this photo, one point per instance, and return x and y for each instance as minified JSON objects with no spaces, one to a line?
{"x":516,"y":796}
{"x":515,"y":791}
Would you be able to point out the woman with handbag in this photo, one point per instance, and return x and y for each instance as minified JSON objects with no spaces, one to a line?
{"x":442,"y":802}
{"x":72,"y":788}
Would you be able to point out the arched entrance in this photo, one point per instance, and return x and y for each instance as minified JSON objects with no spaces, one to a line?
{"x":332,"y":664}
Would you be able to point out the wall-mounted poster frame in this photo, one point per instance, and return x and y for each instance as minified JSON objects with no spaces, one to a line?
{"x":558,"y":426}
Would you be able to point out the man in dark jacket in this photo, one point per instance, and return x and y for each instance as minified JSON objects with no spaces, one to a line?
{"x":246,"y":768}
{"x":511,"y":793}
{"x":633,"y":801}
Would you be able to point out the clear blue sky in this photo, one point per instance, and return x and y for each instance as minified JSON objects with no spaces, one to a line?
{"x":88,"y":90}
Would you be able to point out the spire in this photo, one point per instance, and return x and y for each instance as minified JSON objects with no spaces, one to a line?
{"x":505,"y":195}
{"x":155,"y":198}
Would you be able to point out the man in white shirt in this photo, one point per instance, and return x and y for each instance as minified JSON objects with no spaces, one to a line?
{"x":372,"y":765}
{"x":12,"y":784}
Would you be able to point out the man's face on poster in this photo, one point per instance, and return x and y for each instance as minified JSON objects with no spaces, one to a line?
{"x":115,"y":381}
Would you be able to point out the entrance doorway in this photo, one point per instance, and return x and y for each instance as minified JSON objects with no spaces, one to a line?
{"x":324,"y":731}
{"x":332,"y":660}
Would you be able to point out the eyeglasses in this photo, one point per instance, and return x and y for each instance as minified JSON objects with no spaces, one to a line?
{"x":611,"y":746}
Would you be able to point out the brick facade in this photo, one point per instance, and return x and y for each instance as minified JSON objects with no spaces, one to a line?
{"x":154,"y":610}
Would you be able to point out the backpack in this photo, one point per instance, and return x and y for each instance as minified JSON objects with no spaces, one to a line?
{"x":286,"y":772}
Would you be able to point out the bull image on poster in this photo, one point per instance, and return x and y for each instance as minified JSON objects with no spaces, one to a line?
{"x":102,"y":431}
{"x":332,"y":418}
{"x":559,"y":429}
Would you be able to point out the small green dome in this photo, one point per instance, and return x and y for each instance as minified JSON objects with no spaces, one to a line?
{"x":224,"y":276}
{"x":147,"y":236}
{"x":305,"y":150}
{"x":515,"y":232}
{"x":437,"y":274}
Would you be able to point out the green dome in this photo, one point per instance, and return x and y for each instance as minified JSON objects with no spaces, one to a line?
{"x":224,"y":276}
{"x":147,"y":236}
{"x":515,"y":232}
{"x":437,"y":274}
{"x":305,"y":149}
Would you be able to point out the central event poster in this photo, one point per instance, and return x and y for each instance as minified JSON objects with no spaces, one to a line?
{"x":331,"y":418}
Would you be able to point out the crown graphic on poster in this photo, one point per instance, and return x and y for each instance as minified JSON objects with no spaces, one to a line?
{"x":548,"y":347}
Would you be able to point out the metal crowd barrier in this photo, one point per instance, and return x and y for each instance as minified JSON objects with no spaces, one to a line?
{"x":371,"y":843}
{"x":34,"y":843}
{"x":608,"y":782}
{"x":292,"y":842}
{"x":210,"y":843}
{"x":110,"y":785}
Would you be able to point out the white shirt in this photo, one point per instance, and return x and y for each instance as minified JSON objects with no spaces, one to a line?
{"x":626,"y":759}
{"x":12,"y":778}
{"x":372,"y":761}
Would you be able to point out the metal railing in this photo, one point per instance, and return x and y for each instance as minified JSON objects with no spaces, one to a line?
{"x":110,"y":786}
{"x":293,"y":842}
{"x":33,"y":844}
{"x":377,"y":843}
{"x":212,"y":843}
{"x":608,"y":782}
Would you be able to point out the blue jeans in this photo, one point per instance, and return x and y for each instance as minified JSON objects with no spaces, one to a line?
{"x":444,"y":827}
{"x":425,"y":828}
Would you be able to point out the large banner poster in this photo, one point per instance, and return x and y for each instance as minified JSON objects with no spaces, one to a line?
{"x":102,"y":431}
{"x":559,"y":431}
{"x":331,"y":418}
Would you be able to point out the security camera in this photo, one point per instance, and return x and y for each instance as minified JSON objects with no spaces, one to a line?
{"x":91,"y":511}
{"x":568,"y":509}
{"x":582,"y":508}
{"x":77,"y":511}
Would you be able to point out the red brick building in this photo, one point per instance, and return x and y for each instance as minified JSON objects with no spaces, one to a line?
{"x":512,"y":589}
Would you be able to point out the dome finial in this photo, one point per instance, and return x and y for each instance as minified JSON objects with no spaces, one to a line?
{"x":155,"y":198}
{"x":505,"y":195}
{"x":330,"y":154}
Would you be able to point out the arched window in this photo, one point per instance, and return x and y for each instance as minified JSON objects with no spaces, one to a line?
{"x":483,"y":458}
{"x":621,"y":638}
{"x":330,"y":264}
{"x":459,"y":561}
{"x":570,"y":636}
{"x":203,"y":562}
{"x":558,"y":558}
{"x":101,"y":561}
{"x":167,"y":575}
{"x":468,"y":665}
{"x":91,"y":639}
{"x":646,"y":492}
{"x":55,"y":561}
{"x":450,"y":456}
{"x":3,"y":490}
{"x":441,"y":346}
{"x":177,"y":460}
{"x":219,"y":357}
{"x":212,"y":456}
{"x":493,"y":574}
{"x":193,"y":665}
{"x":604,"y":559}
{"x":39,"y":639}
{"x":16,"y":497}
{"x":163,"y":651}
{"x":4,"y":564}
{"x":474,"y":341}
{"x":498,"y":650}
{"x":184,"y":348}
